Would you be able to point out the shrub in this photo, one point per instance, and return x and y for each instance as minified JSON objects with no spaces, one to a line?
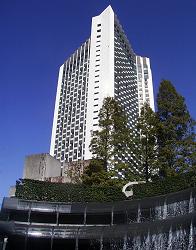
{"x":65,"y":192}
{"x":164,"y":186}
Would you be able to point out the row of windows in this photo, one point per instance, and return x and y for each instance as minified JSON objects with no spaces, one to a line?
{"x":69,"y":141}
{"x":125,"y":78}
{"x":96,"y":87}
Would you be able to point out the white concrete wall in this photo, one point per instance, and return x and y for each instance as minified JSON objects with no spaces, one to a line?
{"x":52,"y":145}
{"x":143,"y":99}
{"x":102,"y":85}
{"x":150,"y":85}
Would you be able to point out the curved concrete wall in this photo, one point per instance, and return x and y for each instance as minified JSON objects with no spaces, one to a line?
{"x":130,"y":224}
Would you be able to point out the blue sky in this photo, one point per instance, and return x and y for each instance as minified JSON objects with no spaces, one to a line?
{"x":37,"y":36}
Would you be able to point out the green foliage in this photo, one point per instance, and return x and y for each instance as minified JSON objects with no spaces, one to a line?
{"x":176,"y":137}
{"x":96,"y":174}
{"x":95,"y":166}
{"x":65,"y":192}
{"x":125,"y":171}
{"x":111,"y":140}
{"x":146,"y":142}
{"x":164,"y":186}
{"x":111,"y":143}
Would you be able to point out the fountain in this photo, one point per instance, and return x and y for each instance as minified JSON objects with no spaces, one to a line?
{"x":166,"y":222}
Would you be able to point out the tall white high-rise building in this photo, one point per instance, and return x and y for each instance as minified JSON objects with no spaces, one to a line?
{"x":144,"y":82}
{"x":105,"y":65}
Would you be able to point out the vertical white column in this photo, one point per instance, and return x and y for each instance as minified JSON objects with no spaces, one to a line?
{"x":101,"y":70}
{"x":54,"y":127}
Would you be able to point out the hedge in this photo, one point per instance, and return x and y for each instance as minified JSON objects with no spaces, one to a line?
{"x":67,"y":192}
{"x":165,"y":186}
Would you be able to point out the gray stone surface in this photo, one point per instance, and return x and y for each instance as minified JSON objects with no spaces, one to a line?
{"x":41,"y":166}
{"x":12,"y":191}
{"x":59,"y":179}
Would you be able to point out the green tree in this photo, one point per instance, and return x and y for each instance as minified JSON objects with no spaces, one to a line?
{"x":111,"y":140}
{"x":95,"y":174}
{"x":111,"y":143}
{"x":146,"y":142}
{"x":176,"y":137}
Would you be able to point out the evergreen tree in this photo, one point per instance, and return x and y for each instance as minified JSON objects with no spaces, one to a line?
{"x":110,"y":142}
{"x":95,"y":174}
{"x":176,"y":137}
{"x":146,"y":142}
